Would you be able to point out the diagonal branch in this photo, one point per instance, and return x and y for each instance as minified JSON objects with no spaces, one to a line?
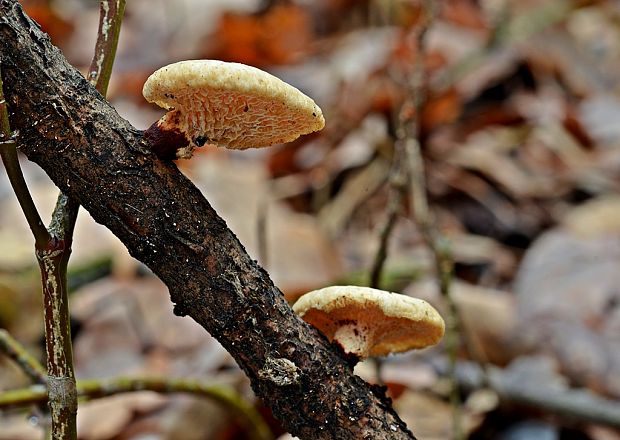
{"x":97,"y":158}
{"x":14,"y":350}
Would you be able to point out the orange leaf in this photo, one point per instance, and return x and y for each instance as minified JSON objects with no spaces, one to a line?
{"x":237,"y":37}
{"x":464,"y":13}
{"x":440,"y":110}
{"x":51,"y":23}
{"x":281,"y":35}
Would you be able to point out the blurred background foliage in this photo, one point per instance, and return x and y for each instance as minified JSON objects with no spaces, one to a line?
{"x":521,"y":145}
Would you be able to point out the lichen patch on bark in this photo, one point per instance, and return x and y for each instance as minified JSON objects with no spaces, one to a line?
{"x":280,"y":371}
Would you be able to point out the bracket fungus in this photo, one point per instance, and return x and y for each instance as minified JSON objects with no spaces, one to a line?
{"x":371,"y":322}
{"x":227,"y":104}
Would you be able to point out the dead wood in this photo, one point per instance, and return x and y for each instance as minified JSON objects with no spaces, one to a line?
{"x":64,"y":125}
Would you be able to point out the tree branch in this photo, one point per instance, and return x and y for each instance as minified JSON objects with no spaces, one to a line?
{"x":256,"y":427}
{"x":99,"y":159}
{"x":110,"y":19}
{"x":15,"y":175}
{"x":14,"y":350}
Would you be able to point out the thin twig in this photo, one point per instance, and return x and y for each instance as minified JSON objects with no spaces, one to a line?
{"x":8,"y":151}
{"x":444,"y":267}
{"x":18,"y":353}
{"x":110,"y":19}
{"x":261,"y":230}
{"x":256,"y":427}
{"x":54,"y":256}
{"x":53,"y":262}
{"x":397,"y":190}
{"x":408,"y":138}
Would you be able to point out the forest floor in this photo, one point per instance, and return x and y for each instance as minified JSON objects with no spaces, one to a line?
{"x":518,"y":125}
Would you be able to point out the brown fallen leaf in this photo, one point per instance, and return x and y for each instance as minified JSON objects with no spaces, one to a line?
{"x":487,"y":315}
{"x":297,"y":253}
{"x":432,"y":417}
{"x":119,"y":411}
{"x":281,"y":34}
{"x":51,"y":22}
{"x":567,"y":295}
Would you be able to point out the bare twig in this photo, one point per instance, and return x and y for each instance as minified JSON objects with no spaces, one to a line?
{"x":61,"y":375}
{"x":261,"y":230}
{"x":16,"y":351}
{"x":54,"y":256}
{"x":229,"y":294}
{"x":397,"y":189}
{"x":50,"y":250}
{"x":408,"y":139}
{"x":8,"y":152}
{"x":251,"y":419}
{"x":397,"y":183}
{"x":110,"y":20}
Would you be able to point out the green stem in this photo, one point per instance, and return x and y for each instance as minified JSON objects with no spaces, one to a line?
{"x":8,"y":151}
{"x":110,"y":19}
{"x":255,"y":426}
{"x":409,"y":134}
{"x":23,"y":396}
{"x":53,"y":262}
{"x":54,"y":255}
{"x":397,"y":189}
{"x":16,"y":351}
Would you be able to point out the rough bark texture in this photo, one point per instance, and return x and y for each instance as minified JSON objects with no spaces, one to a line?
{"x":97,"y":158}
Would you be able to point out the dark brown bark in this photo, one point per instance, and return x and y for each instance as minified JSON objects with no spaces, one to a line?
{"x":99,"y":159}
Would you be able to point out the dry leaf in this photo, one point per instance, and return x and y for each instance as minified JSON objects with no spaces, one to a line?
{"x":567,"y":295}
{"x":280,"y":35}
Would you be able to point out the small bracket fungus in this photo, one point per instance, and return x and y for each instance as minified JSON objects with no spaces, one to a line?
{"x":227,"y":104}
{"x":371,"y":322}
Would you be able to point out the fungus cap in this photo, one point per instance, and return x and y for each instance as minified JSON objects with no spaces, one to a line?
{"x":371,"y":322}
{"x":230,"y":105}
